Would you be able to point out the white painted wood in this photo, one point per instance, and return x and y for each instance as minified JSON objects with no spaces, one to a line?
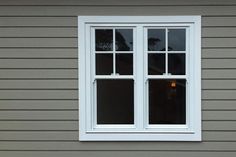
{"x":138,"y":132}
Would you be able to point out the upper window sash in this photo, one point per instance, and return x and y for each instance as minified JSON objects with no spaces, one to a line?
{"x":114,"y":53}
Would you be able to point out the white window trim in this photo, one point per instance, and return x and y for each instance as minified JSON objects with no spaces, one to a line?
{"x":139,"y":132}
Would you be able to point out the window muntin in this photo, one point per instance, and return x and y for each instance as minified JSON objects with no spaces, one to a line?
{"x":185,"y":81}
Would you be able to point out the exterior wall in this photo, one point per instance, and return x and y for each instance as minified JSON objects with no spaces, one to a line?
{"x":38,"y":78}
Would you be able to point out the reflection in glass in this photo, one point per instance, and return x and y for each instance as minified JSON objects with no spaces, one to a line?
{"x":156,"y":40}
{"x":156,"y":64}
{"x":167,"y":101}
{"x":124,"y":40}
{"x":104,"y":64}
{"x":124,"y":64}
{"x":104,"y":39}
{"x":176,"y":39}
{"x":176,"y":64}
{"x":115,"y":102}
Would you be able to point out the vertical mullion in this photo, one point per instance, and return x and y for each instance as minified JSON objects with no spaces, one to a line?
{"x":139,"y":68}
{"x":113,"y":50}
{"x":166,"y":54}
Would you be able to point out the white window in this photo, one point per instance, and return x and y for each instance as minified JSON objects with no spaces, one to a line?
{"x":139,"y":78}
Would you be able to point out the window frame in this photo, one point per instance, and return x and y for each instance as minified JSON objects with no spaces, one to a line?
{"x":138,"y":131}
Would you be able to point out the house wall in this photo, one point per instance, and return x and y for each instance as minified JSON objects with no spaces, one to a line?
{"x":39,"y":72}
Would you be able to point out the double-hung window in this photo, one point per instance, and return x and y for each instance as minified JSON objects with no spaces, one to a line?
{"x":139,"y":78}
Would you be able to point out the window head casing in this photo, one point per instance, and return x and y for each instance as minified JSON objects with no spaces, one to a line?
{"x":139,"y":78}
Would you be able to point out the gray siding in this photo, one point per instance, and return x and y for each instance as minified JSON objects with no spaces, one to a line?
{"x":38,"y":78}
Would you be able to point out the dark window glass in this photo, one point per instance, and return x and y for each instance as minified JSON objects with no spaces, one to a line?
{"x":104,"y":64}
{"x":176,"y":64}
{"x":104,"y":39}
{"x":176,"y":39}
{"x":124,"y":40}
{"x":124,"y":64}
{"x":156,"y":64}
{"x":167,"y":101}
{"x":156,"y":40}
{"x":115,"y":102}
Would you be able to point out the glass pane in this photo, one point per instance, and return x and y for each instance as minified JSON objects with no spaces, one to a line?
{"x":176,"y":64}
{"x":104,"y":39}
{"x":167,"y":101}
{"x":156,"y":40}
{"x":104,"y":64}
{"x":156,"y":64}
{"x":124,"y":39}
{"x":176,"y":39}
{"x":115,"y":102}
{"x":124,"y":64}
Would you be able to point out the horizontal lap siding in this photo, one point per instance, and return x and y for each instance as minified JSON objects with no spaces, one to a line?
{"x":67,"y":135}
{"x":40,"y":114}
{"x":115,"y":153}
{"x":115,"y":3}
{"x":114,"y":10}
{"x":64,"y":125}
{"x":44,"y":32}
{"x":39,"y":72}
{"x":194,"y":147}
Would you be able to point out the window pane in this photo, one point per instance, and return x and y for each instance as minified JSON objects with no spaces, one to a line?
{"x":176,"y":40}
{"x":167,"y":101}
{"x":104,"y":39}
{"x":115,"y":102}
{"x":124,"y":39}
{"x":156,"y":40}
{"x":176,"y":64}
{"x":104,"y":64}
{"x":156,"y":64}
{"x":124,"y":64}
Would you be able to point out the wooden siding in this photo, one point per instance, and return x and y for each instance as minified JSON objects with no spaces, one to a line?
{"x":38,"y":78}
